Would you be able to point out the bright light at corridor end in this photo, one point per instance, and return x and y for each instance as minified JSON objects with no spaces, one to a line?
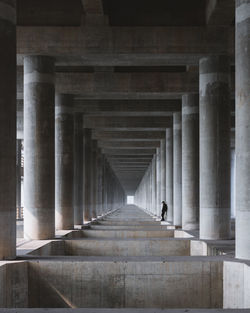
{"x":130,"y":199}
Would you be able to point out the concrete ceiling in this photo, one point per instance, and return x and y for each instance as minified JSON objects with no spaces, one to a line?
{"x":155,"y":13}
{"x":128,"y":63}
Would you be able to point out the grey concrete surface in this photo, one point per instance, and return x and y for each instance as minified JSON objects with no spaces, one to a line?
{"x":186,"y":47}
{"x":93,"y":178}
{"x":163,"y":169}
{"x":169,"y":173}
{"x":123,"y":233}
{"x":8,"y":129}
{"x":127,"y":310}
{"x":215,"y":148}
{"x":125,"y":284}
{"x":19,"y":173}
{"x":177,"y":170}
{"x":64,"y":162}
{"x":124,"y":272}
{"x":87,"y":175}
{"x":242,"y":129}
{"x":190,"y":162}
{"x":128,"y":67}
{"x":39,"y":147}
{"x":79,"y":179}
{"x":117,"y":247}
{"x":158,"y":182}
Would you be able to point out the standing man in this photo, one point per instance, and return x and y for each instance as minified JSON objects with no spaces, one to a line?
{"x":164,"y":210}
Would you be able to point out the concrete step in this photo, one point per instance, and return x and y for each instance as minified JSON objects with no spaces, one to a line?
{"x":128,"y":310}
{"x":179,"y":283}
{"x":121,"y":234}
{"x":129,"y":227}
{"x":125,"y":222}
{"x":116,"y":247}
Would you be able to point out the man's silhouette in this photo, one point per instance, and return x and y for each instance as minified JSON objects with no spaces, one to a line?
{"x":164,"y":210}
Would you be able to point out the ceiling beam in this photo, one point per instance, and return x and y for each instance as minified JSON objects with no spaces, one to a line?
{"x":131,"y":122}
{"x":128,"y":144}
{"x":220,"y":12}
{"x":131,"y":152}
{"x":128,"y":135}
{"x":106,"y":82}
{"x":111,"y":46}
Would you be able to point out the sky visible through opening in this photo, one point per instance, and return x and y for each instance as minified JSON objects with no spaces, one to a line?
{"x":130,"y":199}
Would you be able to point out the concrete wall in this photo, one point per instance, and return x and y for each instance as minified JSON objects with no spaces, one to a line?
{"x":139,"y":247}
{"x":148,"y":247}
{"x":53,"y":247}
{"x":236,"y":285}
{"x":13,"y":285}
{"x":114,"y":284}
{"x":121,"y":234}
{"x":174,"y":282}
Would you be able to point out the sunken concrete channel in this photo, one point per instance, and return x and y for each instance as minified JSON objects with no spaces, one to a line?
{"x":125,"y":261}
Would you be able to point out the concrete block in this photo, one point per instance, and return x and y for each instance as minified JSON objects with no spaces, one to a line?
{"x":120,"y":284}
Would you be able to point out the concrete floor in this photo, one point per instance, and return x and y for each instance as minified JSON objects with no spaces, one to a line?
{"x":127,"y":262}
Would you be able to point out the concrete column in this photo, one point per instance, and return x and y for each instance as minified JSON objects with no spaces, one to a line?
{"x":158,"y":182}
{"x":94,"y":179}
{"x":150,"y":188}
{"x":242,"y":129}
{"x":163,"y":169}
{"x":78,"y":169}
{"x":64,"y":162}
{"x":153,"y":187}
{"x":39,"y":147}
{"x":99,"y":181}
{"x":215,"y":148}
{"x":18,"y":174}
{"x":177,"y":173}
{"x":104,"y":184}
{"x":87,"y":152}
{"x":8,"y":129}
{"x":169,"y":173}
{"x":190,"y":162}
{"x":233,"y":182}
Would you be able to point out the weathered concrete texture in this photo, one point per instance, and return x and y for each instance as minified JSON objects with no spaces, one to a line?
{"x":173,"y":45}
{"x":8,"y":129}
{"x":127,"y":310}
{"x":126,"y":284}
{"x":39,"y":147}
{"x":242,"y":128}
{"x":78,"y":169}
{"x":158,"y":182}
{"x":177,"y":171}
{"x":99,"y":207}
{"x":117,"y":247}
{"x":87,"y":176}
{"x":124,"y":273}
{"x":122,"y":234}
{"x":93,"y":178}
{"x":215,"y":148}
{"x":190,"y":161}
{"x":154,"y":226}
{"x":163,"y":169}
{"x":153,"y":182}
{"x":236,"y":285}
{"x":169,"y":173}
{"x":18,"y":172}
{"x":64,"y":162}
{"x":14,"y":285}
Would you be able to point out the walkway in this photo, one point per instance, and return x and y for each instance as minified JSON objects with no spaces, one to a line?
{"x":126,"y":260}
